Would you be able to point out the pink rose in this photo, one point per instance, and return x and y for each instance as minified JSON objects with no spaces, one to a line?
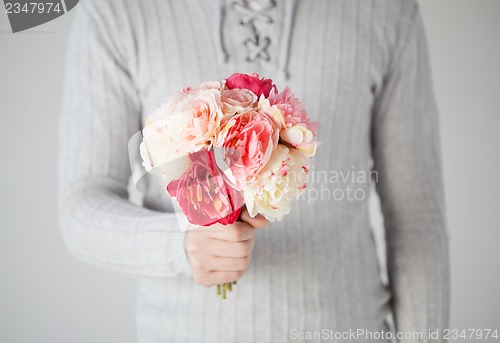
{"x":237,"y":101}
{"x":251,"y":82}
{"x":293,"y":110}
{"x":249,"y":140}
{"x":211,"y":85}
{"x":193,"y":122}
{"x":203,"y":194}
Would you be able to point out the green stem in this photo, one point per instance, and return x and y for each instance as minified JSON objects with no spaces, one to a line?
{"x":224,"y":287}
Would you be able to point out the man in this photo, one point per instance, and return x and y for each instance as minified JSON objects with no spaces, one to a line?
{"x":361,"y":68}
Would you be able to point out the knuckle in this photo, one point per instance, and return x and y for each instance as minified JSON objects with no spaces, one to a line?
{"x":234,"y":234}
{"x":239,"y":265}
{"x":238,"y":235}
{"x":243,"y":264}
{"x":240,"y":250}
{"x":243,"y":249}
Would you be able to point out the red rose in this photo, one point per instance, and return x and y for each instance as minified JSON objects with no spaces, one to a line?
{"x":252,"y":82}
{"x":203,"y":194}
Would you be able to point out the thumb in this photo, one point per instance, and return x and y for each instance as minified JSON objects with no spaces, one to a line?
{"x":258,"y":222}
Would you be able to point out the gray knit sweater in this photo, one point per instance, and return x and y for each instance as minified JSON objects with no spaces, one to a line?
{"x":362,"y":70}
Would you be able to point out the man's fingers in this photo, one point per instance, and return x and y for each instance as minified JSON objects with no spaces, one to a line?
{"x":219,"y":254}
{"x":221,"y":248}
{"x":230,"y":264}
{"x":258,"y":222}
{"x":237,"y":232}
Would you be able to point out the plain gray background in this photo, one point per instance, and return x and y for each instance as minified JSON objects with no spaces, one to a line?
{"x":47,"y":296}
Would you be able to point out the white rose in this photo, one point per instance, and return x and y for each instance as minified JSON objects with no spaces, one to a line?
{"x":281,"y":181}
{"x":300,"y":137}
{"x":159,"y":154}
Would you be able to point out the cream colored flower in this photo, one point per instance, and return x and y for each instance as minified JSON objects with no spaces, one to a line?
{"x":281,"y":181}
{"x":237,"y":101}
{"x":300,"y":137}
{"x":159,"y":154}
{"x":272,"y":111}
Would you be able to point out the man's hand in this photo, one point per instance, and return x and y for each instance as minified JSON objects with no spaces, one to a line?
{"x":222,"y":253}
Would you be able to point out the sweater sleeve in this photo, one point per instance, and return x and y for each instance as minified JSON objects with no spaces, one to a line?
{"x":406,"y":154}
{"x":100,"y":113}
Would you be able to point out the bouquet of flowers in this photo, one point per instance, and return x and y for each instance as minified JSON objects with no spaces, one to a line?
{"x":227,"y":144}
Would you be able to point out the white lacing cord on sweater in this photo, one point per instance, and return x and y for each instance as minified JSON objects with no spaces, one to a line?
{"x":258,"y":44}
{"x":250,"y":15}
{"x":257,"y":48}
